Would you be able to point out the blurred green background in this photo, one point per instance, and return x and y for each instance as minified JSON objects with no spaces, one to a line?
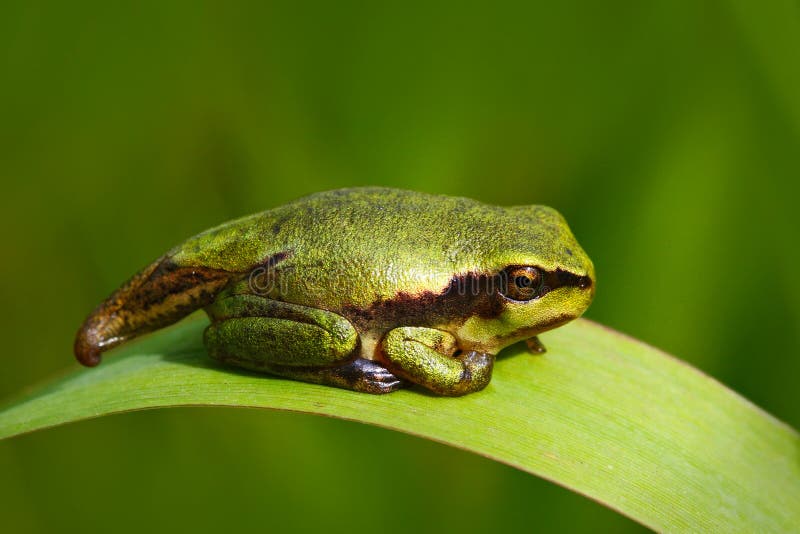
{"x":666,"y":132}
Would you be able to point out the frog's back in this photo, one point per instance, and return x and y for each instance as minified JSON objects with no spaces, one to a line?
{"x":344,"y":218}
{"x":349,"y":246}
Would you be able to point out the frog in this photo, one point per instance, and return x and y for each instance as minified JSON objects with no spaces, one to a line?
{"x":370,"y":289}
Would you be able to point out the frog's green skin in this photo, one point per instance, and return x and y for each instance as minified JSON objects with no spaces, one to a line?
{"x":365,"y":288}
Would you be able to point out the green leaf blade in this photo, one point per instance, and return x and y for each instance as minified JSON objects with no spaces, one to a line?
{"x":600,"y":413}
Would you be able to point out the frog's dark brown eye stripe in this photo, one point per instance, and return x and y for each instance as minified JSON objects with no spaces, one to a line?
{"x":522,"y":282}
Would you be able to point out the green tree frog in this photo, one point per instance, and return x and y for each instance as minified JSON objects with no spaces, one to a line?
{"x":368,"y":289}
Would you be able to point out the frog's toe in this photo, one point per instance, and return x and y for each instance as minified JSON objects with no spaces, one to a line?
{"x":535,"y":346}
{"x":369,"y":377}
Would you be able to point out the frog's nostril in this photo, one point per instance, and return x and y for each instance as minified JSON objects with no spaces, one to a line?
{"x":584,"y":282}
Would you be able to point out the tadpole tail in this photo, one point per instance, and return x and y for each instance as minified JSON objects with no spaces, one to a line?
{"x":157,"y":296}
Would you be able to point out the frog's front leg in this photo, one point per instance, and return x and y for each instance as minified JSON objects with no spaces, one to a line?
{"x":426,"y":356}
{"x":294,"y":341}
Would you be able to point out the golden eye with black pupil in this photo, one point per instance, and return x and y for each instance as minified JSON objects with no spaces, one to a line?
{"x":522,"y":283}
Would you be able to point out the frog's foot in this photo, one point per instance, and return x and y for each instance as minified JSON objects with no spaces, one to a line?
{"x":358,"y":375}
{"x":427,"y":357}
{"x":362,"y":375}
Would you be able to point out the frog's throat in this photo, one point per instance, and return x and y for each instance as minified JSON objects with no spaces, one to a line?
{"x":157,"y":296}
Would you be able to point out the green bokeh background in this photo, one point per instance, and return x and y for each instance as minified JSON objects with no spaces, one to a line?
{"x":666,"y":132}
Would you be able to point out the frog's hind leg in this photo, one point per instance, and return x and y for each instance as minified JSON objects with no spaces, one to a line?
{"x":358,"y":374}
{"x":293,"y":341}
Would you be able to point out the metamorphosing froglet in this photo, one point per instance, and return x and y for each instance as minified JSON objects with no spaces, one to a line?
{"x":366,"y":289}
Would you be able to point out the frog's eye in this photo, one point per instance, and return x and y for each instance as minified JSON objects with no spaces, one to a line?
{"x":522,"y":283}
